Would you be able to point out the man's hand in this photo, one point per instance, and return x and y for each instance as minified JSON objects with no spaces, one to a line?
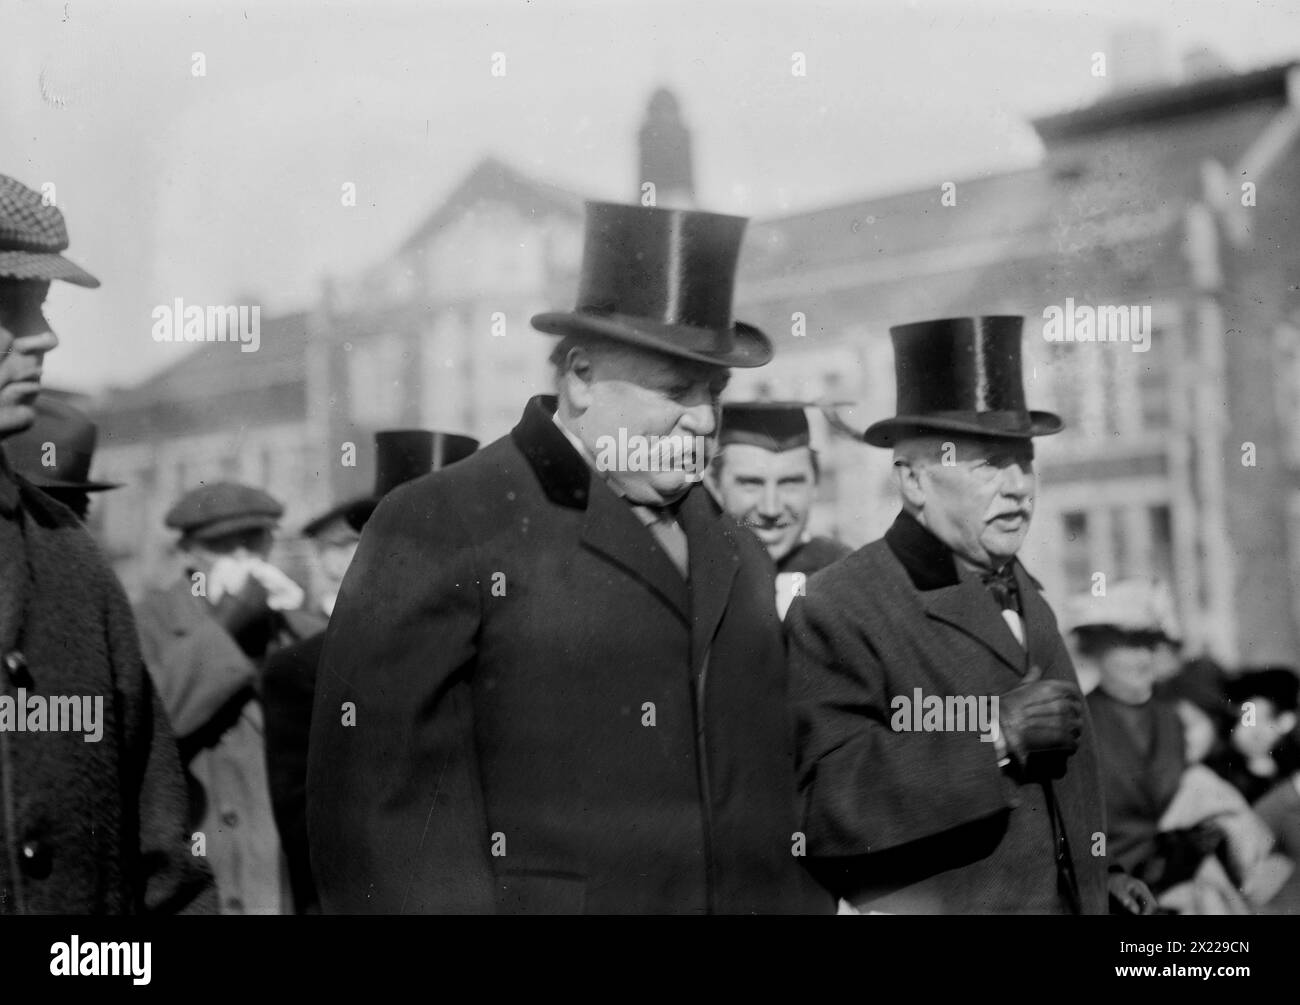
{"x":1130,"y":895}
{"x":1041,"y":716}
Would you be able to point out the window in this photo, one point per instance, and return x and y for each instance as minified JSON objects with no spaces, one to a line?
{"x":1077,"y":554}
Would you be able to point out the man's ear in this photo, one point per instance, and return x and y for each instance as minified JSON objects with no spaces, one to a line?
{"x":909,"y":483}
{"x":1286,"y":722}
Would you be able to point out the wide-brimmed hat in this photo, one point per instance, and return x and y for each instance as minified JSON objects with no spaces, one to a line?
{"x":400,"y":455}
{"x":661,"y":279}
{"x":32,"y":234}
{"x":1142,"y":607}
{"x":960,"y":375}
{"x":56,"y":450}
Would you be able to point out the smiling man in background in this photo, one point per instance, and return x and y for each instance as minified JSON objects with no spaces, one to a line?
{"x":765,"y":475}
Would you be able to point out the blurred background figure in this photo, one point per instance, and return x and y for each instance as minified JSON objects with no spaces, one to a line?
{"x":1261,"y":748}
{"x":1172,"y":821}
{"x":289,"y":678}
{"x":55,"y":454}
{"x":206,"y":638}
{"x":765,"y":474}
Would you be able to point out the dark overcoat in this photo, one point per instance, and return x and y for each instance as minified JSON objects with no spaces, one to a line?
{"x":86,"y":827}
{"x":927,"y":821}
{"x":548,"y":718}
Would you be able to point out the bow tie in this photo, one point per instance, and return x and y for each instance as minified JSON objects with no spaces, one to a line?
{"x":1002,"y":584}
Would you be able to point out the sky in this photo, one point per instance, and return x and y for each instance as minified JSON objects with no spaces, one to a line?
{"x":225,"y":187}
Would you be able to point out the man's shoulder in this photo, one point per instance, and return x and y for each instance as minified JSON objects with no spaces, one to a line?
{"x":862,"y":580}
{"x":54,"y":530}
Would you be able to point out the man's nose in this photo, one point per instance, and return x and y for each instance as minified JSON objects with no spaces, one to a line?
{"x":700,"y":420}
{"x":769,"y":505}
{"x":1018,"y":480}
{"x":34,"y":337}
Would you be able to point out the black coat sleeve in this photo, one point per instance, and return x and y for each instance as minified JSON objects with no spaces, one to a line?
{"x":394,"y":806}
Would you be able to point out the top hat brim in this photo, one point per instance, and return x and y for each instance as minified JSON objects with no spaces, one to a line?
{"x":750,"y":347}
{"x":43,"y":266}
{"x":887,"y":432}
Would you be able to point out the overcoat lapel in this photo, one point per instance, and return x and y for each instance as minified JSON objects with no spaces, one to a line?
{"x":715,"y":560}
{"x":964,"y":604}
{"x":17,"y":584}
{"x":610,"y":528}
{"x":613,"y":531}
{"x":970,"y":608}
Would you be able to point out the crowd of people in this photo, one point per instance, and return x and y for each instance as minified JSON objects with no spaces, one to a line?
{"x":545,"y":676}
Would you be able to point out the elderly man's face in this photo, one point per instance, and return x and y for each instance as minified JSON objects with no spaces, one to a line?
{"x":975,"y":494}
{"x":621,"y":394}
{"x":769,"y":491}
{"x":25,"y":338}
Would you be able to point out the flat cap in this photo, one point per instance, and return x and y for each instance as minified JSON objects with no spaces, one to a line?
{"x":222,"y":508}
{"x":31,"y":236}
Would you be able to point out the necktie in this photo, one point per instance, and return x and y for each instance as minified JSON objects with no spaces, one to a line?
{"x":662,"y":522}
{"x":1002,"y":584}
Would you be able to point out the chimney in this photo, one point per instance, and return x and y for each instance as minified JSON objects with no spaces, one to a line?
{"x":665,"y":145}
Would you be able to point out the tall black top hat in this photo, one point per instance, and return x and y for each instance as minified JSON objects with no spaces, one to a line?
{"x":661,"y":279}
{"x":960,"y":375}
{"x":400,"y":455}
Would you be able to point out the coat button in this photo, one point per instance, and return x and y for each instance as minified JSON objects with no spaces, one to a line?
{"x":234,"y":905}
{"x":230,"y":818}
{"x":16,"y":667}
{"x":35,"y":859}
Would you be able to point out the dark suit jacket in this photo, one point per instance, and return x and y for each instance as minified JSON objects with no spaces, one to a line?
{"x":508,"y":632}
{"x":288,"y":687}
{"x":927,"y":821}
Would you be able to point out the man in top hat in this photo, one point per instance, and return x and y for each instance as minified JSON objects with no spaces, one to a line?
{"x":55,"y":454}
{"x":920,"y":792}
{"x":765,"y":475}
{"x":289,"y":680}
{"x":85,"y":827}
{"x":206,"y":638}
{"x":554,"y":681}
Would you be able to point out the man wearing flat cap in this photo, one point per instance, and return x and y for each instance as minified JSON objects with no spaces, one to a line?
{"x":554,"y":682}
{"x":206,"y":638}
{"x":289,"y":679}
{"x":946,"y":762}
{"x":94,"y":816}
{"x":765,"y":475}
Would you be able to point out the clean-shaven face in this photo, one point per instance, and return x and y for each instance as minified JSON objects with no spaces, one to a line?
{"x":975,"y":494}
{"x":25,"y":338}
{"x":632,"y":393}
{"x":770,"y":492}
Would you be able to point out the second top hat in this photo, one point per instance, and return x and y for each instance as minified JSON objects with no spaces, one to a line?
{"x":960,"y":375}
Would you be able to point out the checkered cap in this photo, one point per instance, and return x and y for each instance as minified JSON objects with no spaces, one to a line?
{"x":31,"y":237}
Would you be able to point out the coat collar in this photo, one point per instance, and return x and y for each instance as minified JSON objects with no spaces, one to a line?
{"x":613,"y":530}
{"x":564,"y":476}
{"x":964,"y":603}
